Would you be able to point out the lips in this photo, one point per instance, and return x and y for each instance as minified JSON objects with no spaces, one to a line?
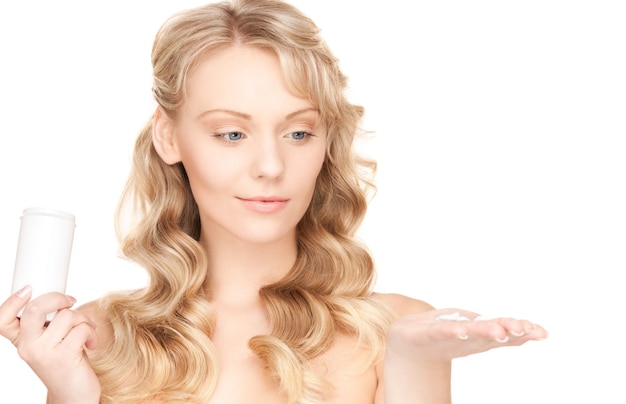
{"x":265,"y":204}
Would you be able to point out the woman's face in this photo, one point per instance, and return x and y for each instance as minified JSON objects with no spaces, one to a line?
{"x":252,"y":150}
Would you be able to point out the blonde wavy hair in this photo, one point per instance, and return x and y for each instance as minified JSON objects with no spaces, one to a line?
{"x":162,"y":347}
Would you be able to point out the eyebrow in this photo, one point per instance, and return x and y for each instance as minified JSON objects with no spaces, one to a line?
{"x":249,"y":117}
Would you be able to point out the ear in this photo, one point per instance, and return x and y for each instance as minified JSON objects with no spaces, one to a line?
{"x":163,"y":137}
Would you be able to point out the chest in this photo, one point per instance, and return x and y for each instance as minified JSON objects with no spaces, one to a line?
{"x":243,"y":378}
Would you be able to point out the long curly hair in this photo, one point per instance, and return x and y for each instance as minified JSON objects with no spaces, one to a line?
{"x":162,"y":347}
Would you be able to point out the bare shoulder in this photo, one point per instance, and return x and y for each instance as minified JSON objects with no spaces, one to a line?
{"x":402,"y":305}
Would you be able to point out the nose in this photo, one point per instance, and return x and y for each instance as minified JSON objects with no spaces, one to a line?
{"x":269,"y":160}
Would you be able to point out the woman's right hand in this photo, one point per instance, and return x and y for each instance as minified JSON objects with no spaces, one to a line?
{"x":55,"y":351}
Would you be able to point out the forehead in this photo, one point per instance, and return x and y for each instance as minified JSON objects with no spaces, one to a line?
{"x":240,"y":76}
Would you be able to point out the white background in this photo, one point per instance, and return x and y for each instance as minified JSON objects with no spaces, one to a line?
{"x":499,"y":128}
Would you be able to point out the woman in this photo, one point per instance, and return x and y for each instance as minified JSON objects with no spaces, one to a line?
{"x":242,"y":205}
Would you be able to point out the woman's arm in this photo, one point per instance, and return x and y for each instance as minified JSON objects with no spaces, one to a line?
{"x":422,"y":342}
{"x":411,"y":382}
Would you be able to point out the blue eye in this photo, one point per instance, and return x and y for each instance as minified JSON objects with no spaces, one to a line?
{"x":299,"y":135}
{"x":232,"y":136}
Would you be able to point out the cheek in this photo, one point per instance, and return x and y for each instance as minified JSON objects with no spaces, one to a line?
{"x":309,"y":169}
{"x":208,"y":173}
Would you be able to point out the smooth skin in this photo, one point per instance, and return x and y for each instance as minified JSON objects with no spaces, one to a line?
{"x":56,"y":353}
{"x":252,"y":151}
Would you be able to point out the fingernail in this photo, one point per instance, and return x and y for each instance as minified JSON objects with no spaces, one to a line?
{"x":503,"y":340}
{"x":71,"y":299}
{"x":529,"y":329}
{"x":517,"y":334}
{"x":463,"y":337}
{"x":24,"y":291}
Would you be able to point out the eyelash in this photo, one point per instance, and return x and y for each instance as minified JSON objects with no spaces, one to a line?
{"x":303,"y":132}
{"x":225,"y":137}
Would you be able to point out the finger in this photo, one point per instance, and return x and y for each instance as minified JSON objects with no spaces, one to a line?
{"x":491,"y":329}
{"x":516,"y":328}
{"x":83,"y":334}
{"x":33,"y":318}
{"x":537,"y":333}
{"x":11,"y":306}
{"x":524,"y":328}
{"x":445,"y":329}
{"x":63,"y":323}
{"x":9,"y":323}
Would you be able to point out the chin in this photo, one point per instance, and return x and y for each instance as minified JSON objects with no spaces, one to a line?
{"x":264,"y":235}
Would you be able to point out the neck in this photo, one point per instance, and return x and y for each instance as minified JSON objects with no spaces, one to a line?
{"x":238,"y":269}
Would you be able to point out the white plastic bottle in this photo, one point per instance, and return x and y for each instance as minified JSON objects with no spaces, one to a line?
{"x":43,"y":251}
